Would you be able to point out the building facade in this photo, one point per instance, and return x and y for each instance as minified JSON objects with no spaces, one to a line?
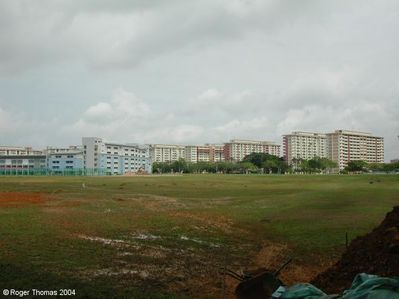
{"x":345,"y":146}
{"x":115,"y":158}
{"x":236,"y":149}
{"x":204,"y":153}
{"x":166,"y":152}
{"x":61,"y":160}
{"x":304,"y":145}
{"x":23,"y":160}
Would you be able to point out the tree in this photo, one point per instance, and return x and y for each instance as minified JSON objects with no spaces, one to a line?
{"x":376,"y":166}
{"x":179,"y":165}
{"x":356,"y":165}
{"x":271,"y":163}
{"x":247,"y":167}
{"x":328,"y":164}
{"x":256,"y":158}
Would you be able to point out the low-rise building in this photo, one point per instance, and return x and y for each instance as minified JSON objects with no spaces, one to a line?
{"x":61,"y":160}
{"x":23,"y":160}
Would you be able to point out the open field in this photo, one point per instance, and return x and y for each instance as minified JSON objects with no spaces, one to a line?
{"x":167,"y":236}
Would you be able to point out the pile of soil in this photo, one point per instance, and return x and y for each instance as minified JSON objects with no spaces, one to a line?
{"x":375,"y":253}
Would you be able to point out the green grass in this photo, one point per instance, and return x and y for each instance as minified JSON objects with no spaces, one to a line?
{"x":197,"y":224}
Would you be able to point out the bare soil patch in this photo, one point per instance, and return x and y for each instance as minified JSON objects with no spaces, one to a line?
{"x":22,"y":199}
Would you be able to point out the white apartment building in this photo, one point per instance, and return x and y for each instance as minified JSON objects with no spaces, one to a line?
{"x":236,"y":149}
{"x":115,"y":158}
{"x":304,"y":145}
{"x":204,"y":153}
{"x":166,"y":152}
{"x":345,"y":146}
{"x":190,"y":154}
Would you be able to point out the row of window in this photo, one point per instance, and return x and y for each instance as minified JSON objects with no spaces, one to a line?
{"x":66,"y":167}
{"x":3,"y":161}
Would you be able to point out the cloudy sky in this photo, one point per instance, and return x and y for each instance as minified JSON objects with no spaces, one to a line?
{"x":178,"y":71}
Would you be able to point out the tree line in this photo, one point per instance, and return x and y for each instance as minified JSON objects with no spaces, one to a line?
{"x":362,"y":166}
{"x":253,"y":163}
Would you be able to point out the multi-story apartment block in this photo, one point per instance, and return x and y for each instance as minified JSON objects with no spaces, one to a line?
{"x":21,"y":159}
{"x":204,"y":153}
{"x":304,"y":145}
{"x":345,"y":146}
{"x":236,"y":150}
{"x":217,"y":152}
{"x":166,"y":152}
{"x":115,"y":158}
{"x":190,"y":154}
{"x":65,"y":159}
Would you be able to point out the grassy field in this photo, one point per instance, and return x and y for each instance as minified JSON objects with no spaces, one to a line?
{"x":168,"y":236}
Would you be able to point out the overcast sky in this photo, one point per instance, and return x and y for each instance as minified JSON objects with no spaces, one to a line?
{"x":188,"y":72}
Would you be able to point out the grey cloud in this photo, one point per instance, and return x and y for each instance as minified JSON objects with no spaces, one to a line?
{"x":197,"y":71}
{"x":123,"y":34}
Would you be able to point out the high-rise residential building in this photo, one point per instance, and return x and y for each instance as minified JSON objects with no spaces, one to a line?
{"x":21,"y":159}
{"x":217,"y":152}
{"x":115,"y":158}
{"x":345,"y":146}
{"x":304,"y":145}
{"x":65,"y":159}
{"x":166,"y":152}
{"x":236,"y":149}
{"x":190,"y":154}
{"x":204,"y":153}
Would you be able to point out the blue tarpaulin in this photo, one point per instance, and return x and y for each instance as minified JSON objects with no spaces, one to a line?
{"x":364,"y":286}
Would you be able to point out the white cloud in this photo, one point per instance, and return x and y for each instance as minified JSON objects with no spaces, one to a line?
{"x":122,"y":116}
{"x":127,"y":118}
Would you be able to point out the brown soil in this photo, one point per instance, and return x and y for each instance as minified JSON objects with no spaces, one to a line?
{"x":375,"y":253}
{"x":20,"y":199}
{"x":272,"y":256}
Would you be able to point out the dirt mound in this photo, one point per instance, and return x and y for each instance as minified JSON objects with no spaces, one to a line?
{"x":375,"y":253}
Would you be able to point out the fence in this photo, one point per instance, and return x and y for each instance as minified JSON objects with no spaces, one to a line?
{"x":50,"y":172}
